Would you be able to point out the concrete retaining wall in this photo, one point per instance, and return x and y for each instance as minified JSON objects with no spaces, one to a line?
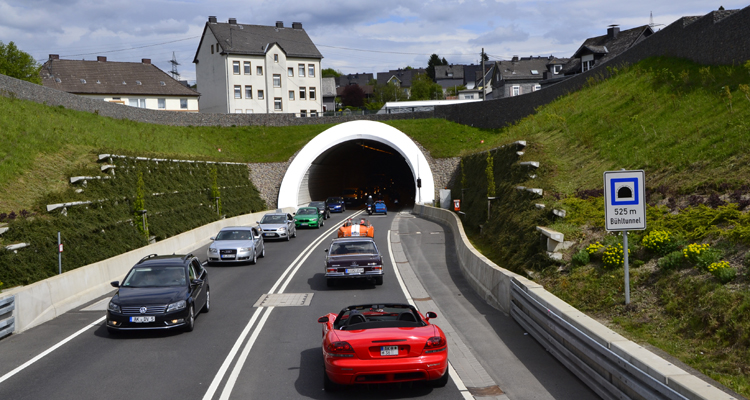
{"x":612,"y":365}
{"x":42,"y":301}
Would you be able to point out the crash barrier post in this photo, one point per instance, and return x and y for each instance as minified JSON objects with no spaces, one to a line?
{"x":42,"y":301}
{"x":611,"y":365}
{"x":7,"y":320}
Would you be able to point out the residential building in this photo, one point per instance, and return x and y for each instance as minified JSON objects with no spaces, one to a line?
{"x":258,"y":69}
{"x":400,"y":77}
{"x":522,"y":75}
{"x":136,"y":84}
{"x":350,"y":79}
{"x":328,"y":92}
{"x":449,"y":76}
{"x":597,"y":50}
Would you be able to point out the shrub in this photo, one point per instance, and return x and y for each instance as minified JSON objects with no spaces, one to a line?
{"x":671,"y":261}
{"x":722,"y":271}
{"x":614,"y":256}
{"x":701,"y":255}
{"x":659,"y":242}
{"x":581,"y":258}
{"x":594,"y":248}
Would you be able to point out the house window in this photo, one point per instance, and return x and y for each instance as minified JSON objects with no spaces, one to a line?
{"x":248,"y":92}
{"x":557,"y":68}
{"x":162,"y":104}
{"x":246,"y":67}
{"x":138,"y":103}
{"x":237,"y":91}
{"x":212,"y":49}
{"x":469,"y":96}
{"x":238,"y":111}
{"x":587,"y":65}
{"x":537,"y":87}
{"x":291,"y":95}
{"x":275,"y":58}
{"x":303,"y":113}
{"x":313,"y":113}
{"x":301,"y":70}
{"x":248,"y":111}
{"x":312,"y":93}
{"x":183,"y":104}
{"x":311,"y":70}
{"x":259,"y":70}
{"x":290,"y":72}
{"x":276,"y":80}
{"x":236,"y":67}
{"x":277,"y":104}
{"x":260,"y":95}
{"x":516,"y":91}
{"x":302,"y":94}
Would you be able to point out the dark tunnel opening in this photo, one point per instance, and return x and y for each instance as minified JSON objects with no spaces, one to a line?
{"x":369,"y":167}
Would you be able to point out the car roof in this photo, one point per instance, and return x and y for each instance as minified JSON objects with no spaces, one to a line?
{"x":274,"y":213}
{"x":352,"y":239}
{"x":232,"y":228}
{"x":154,"y":260}
{"x":302,"y":208}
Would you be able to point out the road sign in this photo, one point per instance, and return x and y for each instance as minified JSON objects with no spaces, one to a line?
{"x":625,"y":200}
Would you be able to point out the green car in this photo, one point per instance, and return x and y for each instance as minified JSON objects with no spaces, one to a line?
{"x":308,"y":217}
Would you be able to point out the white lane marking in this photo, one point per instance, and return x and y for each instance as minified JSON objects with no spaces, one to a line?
{"x":451,"y":371}
{"x":50,"y":350}
{"x":241,"y":339}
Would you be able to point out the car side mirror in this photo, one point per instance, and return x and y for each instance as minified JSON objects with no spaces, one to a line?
{"x":212,"y":238}
{"x":431,"y":314}
{"x":323,"y":320}
{"x":196,"y":281}
{"x":326,"y":250}
{"x":257,"y":222}
{"x":115,"y":283}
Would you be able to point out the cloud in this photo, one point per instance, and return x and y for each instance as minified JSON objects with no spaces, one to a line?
{"x":501,"y":34}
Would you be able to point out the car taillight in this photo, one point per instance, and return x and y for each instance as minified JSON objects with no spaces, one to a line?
{"x":340,"y":349}
{"x":331,"y":270}
{"x":435,"y":344}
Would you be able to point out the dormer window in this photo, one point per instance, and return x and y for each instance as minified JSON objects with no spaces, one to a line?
{"x":98,"y":82}
{"x":138,"y":83}
{"x":124,"y":83}
{"x":534,"y":72}
{"x":162,"y":83}
{"x":450,"y":74}
{"x":83,"y":81}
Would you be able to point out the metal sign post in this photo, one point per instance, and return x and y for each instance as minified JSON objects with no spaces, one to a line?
{"x":625,"y":209}
{"x":59,"y":254}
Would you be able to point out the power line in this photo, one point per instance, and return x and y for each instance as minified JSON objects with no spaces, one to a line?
{"x":131,"y":48}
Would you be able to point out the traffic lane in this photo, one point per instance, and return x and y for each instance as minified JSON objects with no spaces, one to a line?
{"x":143,"y":359}
{"x":268,"y":371}
{"x":517,"y":363}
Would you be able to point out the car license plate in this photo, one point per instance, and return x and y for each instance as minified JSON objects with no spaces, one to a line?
{"x":227,"y":256}
{"x":388,"y":350}
{"x":142,"y":319}
{"x":355,"y":271}
{"x":303,"y":223}
{"x":268,"y":234}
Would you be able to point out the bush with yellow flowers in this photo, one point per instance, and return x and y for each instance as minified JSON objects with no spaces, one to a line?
{"x":659,"y":242}
{"x":594,"y":248}
{"x":722,"y":271}
{"x":614,"y":256}
{"x":701,"y":255}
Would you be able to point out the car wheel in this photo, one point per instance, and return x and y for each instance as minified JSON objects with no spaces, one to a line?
{"x":442,"y":381}
{"x":343,"y":209}
{"x":385,"y":212}
{"x":207,"y":306}
{"x":378,"y":280}
{"x":263,"y":251}
{"x":190,"y":320}
{"x":255,"y":257}
{"x":328,"y":384}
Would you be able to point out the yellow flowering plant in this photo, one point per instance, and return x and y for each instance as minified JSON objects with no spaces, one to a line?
{"x":722,"y":271}
{"x":614,"y":256}
{"x":659,"y":242}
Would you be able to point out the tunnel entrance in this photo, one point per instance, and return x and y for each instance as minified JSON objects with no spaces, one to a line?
{"x":364,"y":167}
{"x":364,"y":155}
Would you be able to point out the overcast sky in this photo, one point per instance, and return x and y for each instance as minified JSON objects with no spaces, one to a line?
{"x":353,"y":35}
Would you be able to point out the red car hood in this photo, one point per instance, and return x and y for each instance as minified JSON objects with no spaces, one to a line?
{"x":367,"y":342}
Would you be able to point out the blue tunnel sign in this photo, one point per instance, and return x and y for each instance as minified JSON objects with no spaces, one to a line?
{"x":624,"y":200}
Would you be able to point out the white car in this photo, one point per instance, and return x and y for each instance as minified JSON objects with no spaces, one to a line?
{"x":236,"y":244}
{"x":278,"y":225}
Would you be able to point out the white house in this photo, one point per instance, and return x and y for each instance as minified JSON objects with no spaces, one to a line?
{"x":258,"y":69}
{"x":136,"y":84}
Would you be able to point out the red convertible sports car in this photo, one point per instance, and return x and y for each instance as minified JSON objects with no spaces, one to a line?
{"x":382,"y":343}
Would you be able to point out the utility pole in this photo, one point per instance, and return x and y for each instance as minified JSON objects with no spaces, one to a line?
{"x":175,"y":74}
{"x":484,"y":90}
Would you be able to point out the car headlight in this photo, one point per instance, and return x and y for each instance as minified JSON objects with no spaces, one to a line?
{"x":244,"y":249}
{"x":212,"y":250}
{"x":177,"y":306}
{"x":114,"y":308}
{"x":282,"y":229}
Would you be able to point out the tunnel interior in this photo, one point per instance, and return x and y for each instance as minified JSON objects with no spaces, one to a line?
{"x":370,"y":167}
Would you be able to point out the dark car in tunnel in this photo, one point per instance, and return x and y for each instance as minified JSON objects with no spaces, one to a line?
{"x":335,"y":204}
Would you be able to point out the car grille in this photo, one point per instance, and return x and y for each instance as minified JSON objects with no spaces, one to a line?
{"x":228,"y":251}
{"x":149,"y":310}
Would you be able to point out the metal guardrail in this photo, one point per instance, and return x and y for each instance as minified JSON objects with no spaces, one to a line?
{"x":7,"y":320}
{"x":606,"y":373}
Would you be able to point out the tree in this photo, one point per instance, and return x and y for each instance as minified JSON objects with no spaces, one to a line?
{"x":18,"y":64}
{"x":423,"y":88}
{"x":388,"y":92}
{"x":353,"y":96}
{"x":330,"y":73}
{"x":434,"y":61}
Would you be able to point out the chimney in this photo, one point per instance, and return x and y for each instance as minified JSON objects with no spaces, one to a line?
{"x":233,"y":21}
{"x":297,"y":25}
{"x":212,"y":19}
{"x":613,"y":31}
{"x":515,"y":58}
{"x":101,"y":58}
{"x":146,"y":60}
{"x":54,"y":56}
{"x":279,"y":24}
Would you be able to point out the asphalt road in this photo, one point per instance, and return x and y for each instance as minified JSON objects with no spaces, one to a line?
{"x":238,"y":350}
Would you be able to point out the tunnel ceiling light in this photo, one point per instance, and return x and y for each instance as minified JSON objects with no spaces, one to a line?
{"x":372,"y":148}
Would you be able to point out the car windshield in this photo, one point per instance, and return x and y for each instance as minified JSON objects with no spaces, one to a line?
{"x":155,"y":276}
{"x":234,"y":235}
{"x":317,"y":204}
{"x":363,"y":247}
{"x":334,"y":200}
{"x":273,"y":219}
{"x":307,"y":211}
{"x":377,"y":316}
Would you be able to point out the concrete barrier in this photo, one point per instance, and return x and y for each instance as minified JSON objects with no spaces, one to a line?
{"x":610,"y":364}
{"x":44,"y":300}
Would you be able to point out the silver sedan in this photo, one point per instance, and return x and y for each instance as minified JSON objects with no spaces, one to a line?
{"x":236,"y":244}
